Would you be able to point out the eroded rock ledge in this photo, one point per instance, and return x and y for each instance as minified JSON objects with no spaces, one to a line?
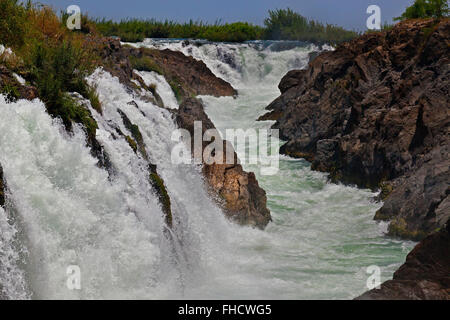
{"x":375,"y":113}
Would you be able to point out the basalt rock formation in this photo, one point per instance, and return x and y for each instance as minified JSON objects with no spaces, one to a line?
{"x":424,"y":276}
{"x":375,"y":113}
{"x":235,"y":190}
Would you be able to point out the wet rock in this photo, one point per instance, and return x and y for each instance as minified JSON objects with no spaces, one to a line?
{"x":425,"y":274}
{"x":374,"y":113}
{"x":2,"y":188}
{"x":236,"y":190}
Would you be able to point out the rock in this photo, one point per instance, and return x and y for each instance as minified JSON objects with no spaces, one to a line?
{"x":2,"y":188}
{"x":425,"y":274}
{"x":192,"y":76}
{"x":374,"y":113}
{"x":10,"y":86}
{"x":236,"y":190}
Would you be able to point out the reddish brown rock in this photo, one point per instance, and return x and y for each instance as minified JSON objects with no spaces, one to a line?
{"x":236,"y":190}
{"x":375,"y":113}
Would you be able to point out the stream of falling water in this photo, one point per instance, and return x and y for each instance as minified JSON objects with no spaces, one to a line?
{"x":63,"y":210}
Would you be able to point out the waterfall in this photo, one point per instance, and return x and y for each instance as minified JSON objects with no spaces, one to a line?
{"x":63,"y":210}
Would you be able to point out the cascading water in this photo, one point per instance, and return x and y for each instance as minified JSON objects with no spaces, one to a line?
{"x":323,"y":237}
{"x":66,"y":211}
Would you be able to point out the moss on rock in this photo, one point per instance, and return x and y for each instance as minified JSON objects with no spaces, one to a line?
{"x":386,"y":190}
{"x":158,"y":185}
{"x":135,"y":133}
{"x":399,"y":228}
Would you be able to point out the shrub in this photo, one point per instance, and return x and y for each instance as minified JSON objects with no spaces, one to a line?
{"x":57,"y":69}
{"x":285,"y":24}
{"x":12,"y":22}
{"x":53,"y":59}
{"x":425,"y":9}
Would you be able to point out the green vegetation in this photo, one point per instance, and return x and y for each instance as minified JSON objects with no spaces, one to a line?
{"x":134,"y":30}
{"x":12,"y":27}
{"x":289,"y":25}
{"x":132,"y":143}
{"x":425,"y":9}
{"x":53,"y":59}
{"x":144,"y":63}
{"x":282,"y":24}
{"x":10,"y":92}
{"x":57,"y":70}
{"x":399,"y":228}
{"x":164,"y":198}
{"x":177,"y":89}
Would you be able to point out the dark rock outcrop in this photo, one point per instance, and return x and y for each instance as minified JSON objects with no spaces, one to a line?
{"x":2,"y":188}
{"x":424,"y":276}
{"x":236,"y":190}
{"x":375,"y":113}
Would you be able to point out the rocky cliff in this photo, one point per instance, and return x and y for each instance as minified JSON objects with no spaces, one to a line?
{"x":375,"y":113}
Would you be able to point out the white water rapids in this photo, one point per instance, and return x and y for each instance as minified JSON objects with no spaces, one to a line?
{"x":63,"y":210}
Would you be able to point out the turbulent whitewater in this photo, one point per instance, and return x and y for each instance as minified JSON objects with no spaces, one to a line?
{"x":63,"y":210}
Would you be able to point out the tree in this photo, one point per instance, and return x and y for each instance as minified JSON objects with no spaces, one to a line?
{"x":425,"y":9}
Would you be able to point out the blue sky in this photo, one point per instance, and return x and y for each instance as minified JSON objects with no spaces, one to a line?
{"x":348,"y":13}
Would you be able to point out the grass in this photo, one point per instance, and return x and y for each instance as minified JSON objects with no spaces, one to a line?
{"x":10,"y":92}
{"x":145,"y":63}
